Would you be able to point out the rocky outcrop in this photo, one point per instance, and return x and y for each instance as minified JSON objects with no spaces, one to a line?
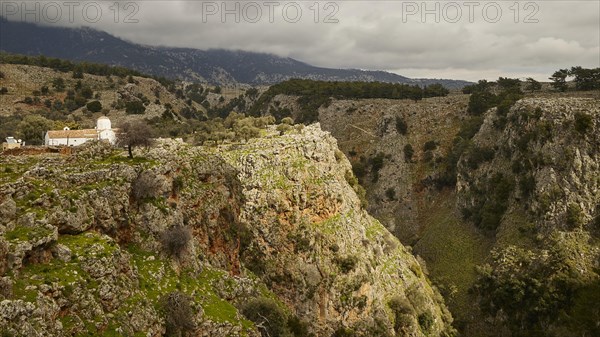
{"x":99,"y":243}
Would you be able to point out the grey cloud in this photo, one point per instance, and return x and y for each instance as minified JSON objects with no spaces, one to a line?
{"x":373,"y":35}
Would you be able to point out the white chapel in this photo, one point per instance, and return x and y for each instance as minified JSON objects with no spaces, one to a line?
{"x":67,"y":137}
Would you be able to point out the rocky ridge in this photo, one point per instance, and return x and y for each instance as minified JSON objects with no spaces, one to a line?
{"x":84,"y":249}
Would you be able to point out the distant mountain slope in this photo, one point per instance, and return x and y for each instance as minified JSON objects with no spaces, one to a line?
{"x":215,"y":66}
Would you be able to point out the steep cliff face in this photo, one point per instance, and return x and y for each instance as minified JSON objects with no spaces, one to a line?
{"x":531,"y":181}
{"x":549,"y":149}
{"x":188,"y":238}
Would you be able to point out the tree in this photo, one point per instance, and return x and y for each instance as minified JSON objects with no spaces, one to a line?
{"x":94,"y":106}
{"x":401,"y":126}
{"x":586,"y":79}
{"x":559,"y":79}
{"x":268,"y":317}
{"x":179,"y":316}
{"x":77,"y":73}
{"x":58,"y":84}
{"x":32,"y":129}
{"x":136,"y":133}
{"x":532,"y":85}
{"x":86,"y":92}
{"x":507,"y":84}
{"x":135,"y":108}
{"x":435,"y":90}
{"x":408,"y":153}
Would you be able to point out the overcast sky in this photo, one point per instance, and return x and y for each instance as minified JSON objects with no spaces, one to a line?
{"x":462,"y":40}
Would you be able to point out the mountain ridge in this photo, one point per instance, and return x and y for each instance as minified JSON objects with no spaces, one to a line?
{"x":214,"y":66}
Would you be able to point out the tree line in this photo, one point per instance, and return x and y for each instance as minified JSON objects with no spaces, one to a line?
{"x":314,"y":94}
{"x":78,"y":68}
{"x":584,"y":78}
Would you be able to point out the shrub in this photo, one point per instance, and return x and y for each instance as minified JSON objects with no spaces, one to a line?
{"x":390,"y":193}
{"x":175,"y":240}
{"x":401,"y":126}
{"x":298,"y":328}
{"x":344,"y":332}
{"x":3,"y":90}
{"x":177,"y":184}
{"x":408,"y":153}
{"x":376,"y":163}
{"x":478,"y":155}
{"x":347,"y":263}
{"x":527,"y":185}
{"x":145,"y":186}
{"x":268,"y":317}
{"x":426,"y":321}
{"x":179,"y":317}
{"x":583,"y":122}
{"x":283,"y":128}
{"x":488,"y":210}
{"x":359,"y":169}
{"x":86,"y":92}
{"x":401,"y":308}
{"x":574,"y":216}
{"x":77,"y":74}
{"x":59,"y":84}
{"x":135,"y":108}
{"x":480,"y":102}
{"x":94,"y":106}
{"x":430,"y":145}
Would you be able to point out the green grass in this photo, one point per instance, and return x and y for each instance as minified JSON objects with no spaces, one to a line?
{"x":21,"y":233}
{"x":10,"y":171}
{"x":451,"y":249}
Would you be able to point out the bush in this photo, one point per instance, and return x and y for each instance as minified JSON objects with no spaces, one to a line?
{"x":390,"y":193}
{"x":179,"y":317}
{"x":583,"y":122}
{"x":480,"y":102}
{"x":268,"y":317}
{"x":408,"y":153}
{"x":401,"y":308}
{"x":401,"y":126}
{"x":175,"y":240}
{"x":426,"y":321}
{"x":347,"y":263}
{"x":135,"y":108}
{"x":145,"y":186}
{"x":430,"y":145}
{"x":86,"y":92}
{"x":478,"y":155}
{"x":94,"y":106}
{"x":529,"y":288}
{"x":3,"y":90}
{"x":574,"y":216}
{"x":488,"y":209}
{"x":376,"y":163}
{"x":77,"y":74}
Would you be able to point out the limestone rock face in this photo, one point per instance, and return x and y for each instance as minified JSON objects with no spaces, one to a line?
{"x":550,"y":152}
{"x":95,"y":242}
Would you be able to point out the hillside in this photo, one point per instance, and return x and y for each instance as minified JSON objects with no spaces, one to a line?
{"x":92,"y":242}
{"x":217,"y":67}
{"x":495,"y":192}
{"x":403,"y":152}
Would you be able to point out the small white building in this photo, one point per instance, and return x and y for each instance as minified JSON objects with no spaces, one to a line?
{"x":12,"y":143}
{"x":67,"y":137}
